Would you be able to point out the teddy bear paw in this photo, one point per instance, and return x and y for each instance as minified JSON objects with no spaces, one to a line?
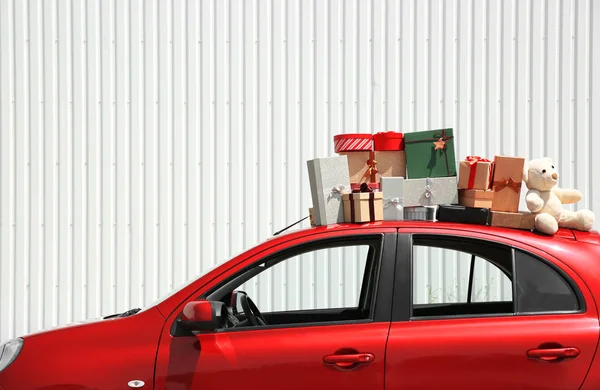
{"x":546,"y":223}
{"x":586,"y":219}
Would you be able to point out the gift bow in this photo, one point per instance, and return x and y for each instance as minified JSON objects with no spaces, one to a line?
{"x":395,"y":202}
{"x":428,"y":191}
{"x":441,"y":139}
{"x":372,"y":167}
{"x":337,"y":190}
{"x":428,"y":188}
{"x":510,"y":183}
{"x":364,"y":187}
{"x":475,"y":159}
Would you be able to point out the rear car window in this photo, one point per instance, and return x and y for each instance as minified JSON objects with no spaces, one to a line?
{"x":542,"y":288}
{"x":456,"y":276}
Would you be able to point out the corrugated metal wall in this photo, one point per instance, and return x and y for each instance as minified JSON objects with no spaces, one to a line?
{"x":142,"y":142}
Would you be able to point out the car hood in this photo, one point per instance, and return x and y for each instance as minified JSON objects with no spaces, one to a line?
{"x":108,"y":326}
{"x":70,"y":354}
{"x":63,"y":326}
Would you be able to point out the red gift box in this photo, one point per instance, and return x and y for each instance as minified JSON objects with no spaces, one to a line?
{"x":389,"y":140}
{"x":353,"y":142}
{"x":356,"y":186}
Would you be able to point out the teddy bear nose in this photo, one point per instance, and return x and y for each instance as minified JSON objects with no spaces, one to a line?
{"x":555,"y":175}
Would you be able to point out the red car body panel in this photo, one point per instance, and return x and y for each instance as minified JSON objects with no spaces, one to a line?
{"x":407,"y":354}
{"x":105,"y":354}
{"x":468,"y":353}
{"x":289,"y":358}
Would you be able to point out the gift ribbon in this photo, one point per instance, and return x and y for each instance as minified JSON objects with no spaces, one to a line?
{"x":473,"y":160}
{"x":364,"y":187}
{"x":510,"y":183}
{"x":438,"y":136}
{"x":372,"y":167}
{"x":428,"y":188}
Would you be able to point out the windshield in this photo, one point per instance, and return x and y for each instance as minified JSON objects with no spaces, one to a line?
{"x":192,"y":280}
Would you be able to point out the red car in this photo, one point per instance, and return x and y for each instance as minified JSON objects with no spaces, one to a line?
{"x":541,"y":333}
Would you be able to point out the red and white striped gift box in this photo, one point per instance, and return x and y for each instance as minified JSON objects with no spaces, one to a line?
{"x":353,"y":142}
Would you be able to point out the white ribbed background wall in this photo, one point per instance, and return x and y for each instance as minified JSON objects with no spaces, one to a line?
{"x":142,"y":142}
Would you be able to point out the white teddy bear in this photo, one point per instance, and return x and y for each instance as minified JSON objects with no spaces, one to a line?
{"x":545,"y":200}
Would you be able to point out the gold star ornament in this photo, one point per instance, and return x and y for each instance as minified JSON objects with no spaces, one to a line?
{"x":441,"y":144}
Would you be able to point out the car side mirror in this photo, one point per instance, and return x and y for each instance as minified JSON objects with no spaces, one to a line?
{"x":203,"y":315}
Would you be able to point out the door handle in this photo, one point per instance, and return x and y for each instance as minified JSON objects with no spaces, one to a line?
{"x":348,"y":360}
{"x":550,"y":354}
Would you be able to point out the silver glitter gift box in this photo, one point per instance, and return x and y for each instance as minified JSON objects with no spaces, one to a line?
{"x":430,"y":192}
{"x":393,"y":198}
{"x":328,"y":177}
{"x":420,"y":213}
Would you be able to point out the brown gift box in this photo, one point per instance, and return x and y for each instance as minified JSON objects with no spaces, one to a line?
{"x":363,"y":206}
{"x":476,"y":198}
{"x":520,"y":220}
{"x":357,"y":165}
{"x":390,"y":163}
{"x":507,"y":181}
{"x":481,"y":171}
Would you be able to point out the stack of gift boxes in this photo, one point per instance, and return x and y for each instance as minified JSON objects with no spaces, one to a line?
{"x":413,"y":176}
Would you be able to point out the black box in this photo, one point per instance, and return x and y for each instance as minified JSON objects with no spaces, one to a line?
{"x":463,"y":214}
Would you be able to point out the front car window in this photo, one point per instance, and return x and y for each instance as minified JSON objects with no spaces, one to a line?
{"x":327,"y":282}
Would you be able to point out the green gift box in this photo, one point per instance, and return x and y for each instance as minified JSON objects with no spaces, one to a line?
{"x":430,"y":154}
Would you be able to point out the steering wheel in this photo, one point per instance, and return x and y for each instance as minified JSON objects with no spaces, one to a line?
{"x":254,"y":316}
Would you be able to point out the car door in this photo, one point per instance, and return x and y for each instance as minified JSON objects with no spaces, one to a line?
{"x":475,"y":313}
{"x":327,"y":308}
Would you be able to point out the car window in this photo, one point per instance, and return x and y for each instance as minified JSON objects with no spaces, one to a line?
{"x":454,"y":276}
{"x":450,"y":279}
{"x":543,"y":289}
{"x":321,"y":279}
{"x":319,"y":282}
{"x":442,"y":275}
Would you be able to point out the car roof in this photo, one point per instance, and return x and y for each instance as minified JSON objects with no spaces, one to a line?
{"x":592,"y":237}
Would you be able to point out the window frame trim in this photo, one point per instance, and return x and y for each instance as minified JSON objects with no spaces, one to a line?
{"x":514,"y":281}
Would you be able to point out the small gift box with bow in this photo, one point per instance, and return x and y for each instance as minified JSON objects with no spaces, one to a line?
{"x":389,"y":154}
{"x":328,"y":179}
{"x":393,"y":198}
{"x":475,"y":173}
{"x":358,"y":148}
{"x":506,"y":183}
{"x":430,"y":191}
{"x":363,"y":205}
{"x":430,"y":154}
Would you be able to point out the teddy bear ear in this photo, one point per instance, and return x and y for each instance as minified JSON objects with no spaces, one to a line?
{"x":525,"y":172}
